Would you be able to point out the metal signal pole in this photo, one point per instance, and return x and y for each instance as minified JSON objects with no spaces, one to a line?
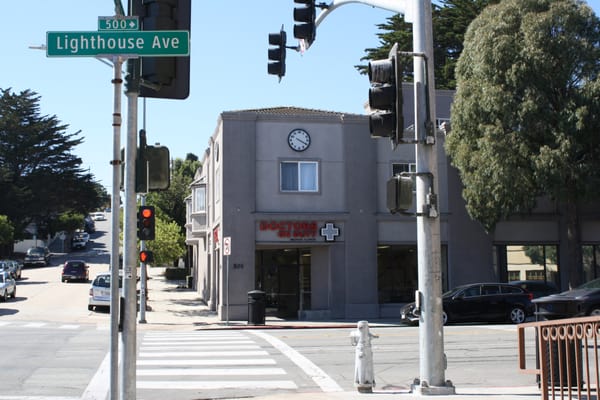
{"x":431,"y":336}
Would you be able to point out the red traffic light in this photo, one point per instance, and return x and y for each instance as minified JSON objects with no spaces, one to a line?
{"x":147,"y":212}
{"x":146,"y":256}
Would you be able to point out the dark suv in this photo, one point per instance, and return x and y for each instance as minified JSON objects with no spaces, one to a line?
{"x":37,"y":256}
{"x":480,"y":302}
{"x":75,"y":270}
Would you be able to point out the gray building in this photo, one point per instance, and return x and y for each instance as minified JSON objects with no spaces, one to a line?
{"x":292,"y":202}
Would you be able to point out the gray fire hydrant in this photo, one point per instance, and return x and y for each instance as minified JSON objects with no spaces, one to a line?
{"x":364,"y":377}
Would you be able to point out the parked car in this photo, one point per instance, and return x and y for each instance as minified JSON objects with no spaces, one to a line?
{"x":538,"y":288}
{"x":78,"y":243}
{"x":8,"y":286}
{"x":75,"y":270}
{"x":12,"y":266}
{"x":480,"y":302}
{"x":37,"y":256}
{"x":98,"y":216}
{"x":581,"y":301}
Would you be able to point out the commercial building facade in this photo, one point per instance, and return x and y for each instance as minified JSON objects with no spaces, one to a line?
{"x":292,"y":202}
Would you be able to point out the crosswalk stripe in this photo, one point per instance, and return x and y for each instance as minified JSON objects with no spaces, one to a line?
{"x":210,"y":371}
{"x":213,"y":362}
{"x":174,"y":346}
{"x":69,"y":327}
{"x":34,"y":325}
{"x":245,"y":353}
{"x":192,"y":342}
{"x":196,"y":385}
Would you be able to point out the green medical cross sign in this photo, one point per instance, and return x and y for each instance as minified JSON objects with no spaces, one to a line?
{"x":134,"y":43}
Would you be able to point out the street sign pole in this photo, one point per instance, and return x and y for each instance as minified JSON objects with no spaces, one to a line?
{"x":128,"y":336}
{"x":227,"y":253}
{"x":115,"y":228}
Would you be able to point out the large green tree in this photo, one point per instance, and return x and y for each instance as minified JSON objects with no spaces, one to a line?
{"x":40,"y":177}
{"x":526,"y":114}
{"x":450,"y":19}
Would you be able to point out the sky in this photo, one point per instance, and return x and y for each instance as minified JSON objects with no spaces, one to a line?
{"x":229,"y":43}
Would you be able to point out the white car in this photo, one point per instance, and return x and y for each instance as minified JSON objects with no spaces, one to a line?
{"x":8,"y":287}
{"x":100,"y":291}
{"x":98,"y":216}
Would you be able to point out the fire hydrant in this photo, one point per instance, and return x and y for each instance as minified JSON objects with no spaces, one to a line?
{"x":364,"y":377}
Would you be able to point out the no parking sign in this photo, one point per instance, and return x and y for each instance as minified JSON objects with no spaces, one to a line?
{"x":227,"y":246}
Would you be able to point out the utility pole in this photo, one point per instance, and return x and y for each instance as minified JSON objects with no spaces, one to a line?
{"x":129,"y":309}
{"x":431,"y":338}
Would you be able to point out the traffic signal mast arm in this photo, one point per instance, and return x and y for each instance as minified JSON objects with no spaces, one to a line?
{"x":398,"y":6}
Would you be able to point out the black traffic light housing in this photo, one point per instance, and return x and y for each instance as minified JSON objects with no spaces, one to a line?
{"x":306,"y":28}
{"x":146,"y":223}
{"x":385,"y":98}
{"x":276,"y":65}
{"x":164,"y":77}
{"x":399,"y":193}
{"x":146,"y":256}
{"x":152,"y":167}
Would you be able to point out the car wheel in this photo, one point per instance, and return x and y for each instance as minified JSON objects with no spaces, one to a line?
{"x":595,"y":312}
{"x":14,"y":293}
{"x":444,"y":317}
{"x":90,"y":307}
{"x":4,"y":296}
{"x":517,"y":315}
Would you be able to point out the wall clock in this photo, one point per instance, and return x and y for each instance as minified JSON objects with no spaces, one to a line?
{"x":299,"y":140}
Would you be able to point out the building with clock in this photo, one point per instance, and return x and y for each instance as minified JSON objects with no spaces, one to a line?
{"x":292,"y":202}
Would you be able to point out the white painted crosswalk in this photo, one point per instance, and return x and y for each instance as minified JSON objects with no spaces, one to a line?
{"x":208,"y":360}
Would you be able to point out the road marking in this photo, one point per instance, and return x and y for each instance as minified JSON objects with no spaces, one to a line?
{"x":37,"y":398}
{"x":241,"y":361}
{"x":187,"y":347}
{"x":317,"y":374}
{"x":68,"y":326}
{"x":248,"y":353}
{"x":98,"y":387}
{"x":196,"y":342}
{"x":210,"y":371}
{"x":198,"y":385}
{"x":34,"y":325}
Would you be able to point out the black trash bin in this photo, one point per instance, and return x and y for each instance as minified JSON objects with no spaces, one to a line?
{"x":256,"y":307}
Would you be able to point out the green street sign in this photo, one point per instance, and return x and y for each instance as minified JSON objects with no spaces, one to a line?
{"x":106,"y":43}
{"x":118,"y":23}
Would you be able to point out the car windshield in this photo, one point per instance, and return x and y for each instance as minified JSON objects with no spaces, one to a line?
{"x":35,"y":251}
{"x":594,"y":284}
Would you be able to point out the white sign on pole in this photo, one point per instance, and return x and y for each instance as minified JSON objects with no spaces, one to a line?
{"x":227,"y":246}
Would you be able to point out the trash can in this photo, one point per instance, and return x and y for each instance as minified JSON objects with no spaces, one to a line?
{"x":256,"y":307}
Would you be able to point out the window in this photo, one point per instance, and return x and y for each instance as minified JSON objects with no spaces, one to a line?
{"x":403,"y":167}
{"x":299,"y":176}
{"x":200,"y":199}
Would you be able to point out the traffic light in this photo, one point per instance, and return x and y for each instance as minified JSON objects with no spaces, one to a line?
{"x":164,"y":77}
{"x":399,"y":193}
{"x":276,"y":64}
{"x":146,"y":256}
{"x":307,"y":28}
{"x":385,"y":98}
{"x":146,"y":223}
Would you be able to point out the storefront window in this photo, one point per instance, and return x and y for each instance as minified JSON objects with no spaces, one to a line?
{"x":397,"y":273}
{"x":591,"y":258}
{"x":532,"y":262}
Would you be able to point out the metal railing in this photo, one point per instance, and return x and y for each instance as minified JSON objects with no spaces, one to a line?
{"x":566,"y":357}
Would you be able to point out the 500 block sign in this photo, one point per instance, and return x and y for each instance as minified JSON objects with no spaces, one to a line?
{"x":86,"y":44}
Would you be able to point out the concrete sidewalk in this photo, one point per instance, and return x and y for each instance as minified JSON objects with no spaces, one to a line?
{"x":172,"y":306}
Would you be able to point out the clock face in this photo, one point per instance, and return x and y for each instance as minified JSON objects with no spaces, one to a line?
{"x":299,"y":140}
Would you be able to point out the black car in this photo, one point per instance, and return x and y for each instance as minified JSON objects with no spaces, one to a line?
{"x":37,"y":256}
{"x":538,"y":288}
{"x":480,"y":302}
{"x":581,"y":301}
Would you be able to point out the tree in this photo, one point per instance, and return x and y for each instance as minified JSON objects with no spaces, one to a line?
{"x":450,"y":20}
{"x":40,"y":177}
{"x":526,"y":114}
{"x":169,"y":245}
{"x":7,"y":234}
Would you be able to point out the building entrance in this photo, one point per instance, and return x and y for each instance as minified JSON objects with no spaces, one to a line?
{"x":284,"y":275}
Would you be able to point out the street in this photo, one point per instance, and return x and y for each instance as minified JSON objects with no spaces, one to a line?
{"x":54,"y":348}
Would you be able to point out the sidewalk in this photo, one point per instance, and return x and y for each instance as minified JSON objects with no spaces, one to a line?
{"x":173,"y":306}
